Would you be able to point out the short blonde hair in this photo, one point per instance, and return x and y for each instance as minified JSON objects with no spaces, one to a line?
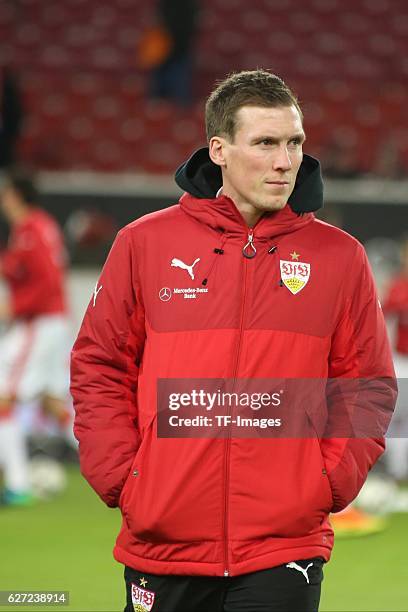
{"x":247,"y":88}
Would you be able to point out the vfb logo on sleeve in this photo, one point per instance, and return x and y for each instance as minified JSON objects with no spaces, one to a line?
{"x":142,"y":599}
{"x":295,"y":274}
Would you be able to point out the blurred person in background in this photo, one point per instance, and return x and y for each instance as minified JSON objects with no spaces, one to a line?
{"x":396,"y":305}
{"x":34,"y":346}
{"x":240,"y":523}
{"x":168,"y":50}
{"x":11,"y":115}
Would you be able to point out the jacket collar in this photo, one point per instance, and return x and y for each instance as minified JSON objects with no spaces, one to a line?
{"x":221,"y":215}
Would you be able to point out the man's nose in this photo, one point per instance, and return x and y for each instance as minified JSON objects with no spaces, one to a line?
{"x":282,"y":159}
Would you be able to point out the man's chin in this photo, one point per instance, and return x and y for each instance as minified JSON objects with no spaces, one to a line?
{"x":273,"y":205}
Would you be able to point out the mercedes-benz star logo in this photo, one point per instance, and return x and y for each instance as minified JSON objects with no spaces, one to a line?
{"x":165,"y":294}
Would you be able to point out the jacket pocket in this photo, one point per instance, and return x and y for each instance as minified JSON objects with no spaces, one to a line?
{"x":174,"y":495}
{"x":134,"y":471}
{"x":326,"y":479}
{"x":283,"y":486}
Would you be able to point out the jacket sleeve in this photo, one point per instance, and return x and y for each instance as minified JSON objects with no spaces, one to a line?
{"x":104,"y":371}
{"x":362,"y":391}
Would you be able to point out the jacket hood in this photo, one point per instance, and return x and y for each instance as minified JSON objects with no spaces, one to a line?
{"x":201,"y":178}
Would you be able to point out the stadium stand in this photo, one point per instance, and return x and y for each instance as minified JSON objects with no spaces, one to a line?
{"x":86,"y":100}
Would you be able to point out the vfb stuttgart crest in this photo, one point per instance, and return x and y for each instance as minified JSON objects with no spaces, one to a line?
{"x":294,"y":274}
{"x":142,"y":599}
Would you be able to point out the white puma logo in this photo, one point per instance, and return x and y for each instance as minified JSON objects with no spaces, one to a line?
{"x":177,"y":263}
{"x":297,"y":567}
{"x":95,"y":293}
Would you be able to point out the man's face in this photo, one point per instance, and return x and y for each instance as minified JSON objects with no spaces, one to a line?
{"x":260,"y":165}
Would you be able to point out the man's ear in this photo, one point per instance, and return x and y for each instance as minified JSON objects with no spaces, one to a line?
{"x":216,"y":150}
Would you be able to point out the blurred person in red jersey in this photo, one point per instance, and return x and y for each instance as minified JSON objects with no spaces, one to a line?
{"x":396,"y":305}
{"x":34,"y":349}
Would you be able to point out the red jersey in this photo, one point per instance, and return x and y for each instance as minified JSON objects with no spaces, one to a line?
{"x":34,"y":266}
{"x":396,"y":303}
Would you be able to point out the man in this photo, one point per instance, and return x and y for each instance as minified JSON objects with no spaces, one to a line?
{"x":34,"y":350}
{"x":173,"y":78}
{"x":237,"y":282}
{"x":396,"y":306}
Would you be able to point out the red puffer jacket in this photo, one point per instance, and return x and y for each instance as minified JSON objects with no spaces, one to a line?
{"x":230,"y":505}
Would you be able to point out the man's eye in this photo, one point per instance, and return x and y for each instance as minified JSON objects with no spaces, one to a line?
{"x":295,"y":141}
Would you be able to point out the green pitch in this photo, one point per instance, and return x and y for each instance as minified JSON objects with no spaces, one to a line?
{"x":66,"y":544}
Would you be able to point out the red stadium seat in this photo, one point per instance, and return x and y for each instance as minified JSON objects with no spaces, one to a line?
{"x":86,"y":98}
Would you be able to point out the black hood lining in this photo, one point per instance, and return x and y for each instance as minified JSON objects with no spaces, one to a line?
{"x":201,"y":178}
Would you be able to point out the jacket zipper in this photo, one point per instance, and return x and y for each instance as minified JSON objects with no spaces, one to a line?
{"x":249,"y":250}
{"x":235,"y":372}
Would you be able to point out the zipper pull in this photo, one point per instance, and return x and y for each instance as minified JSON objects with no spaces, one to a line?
{"x":249,"y":254}
{"x":226,"y":573}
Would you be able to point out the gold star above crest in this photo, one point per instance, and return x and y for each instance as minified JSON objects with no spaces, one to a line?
{"x":143,"y":582}
{"x":295,"y":255}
